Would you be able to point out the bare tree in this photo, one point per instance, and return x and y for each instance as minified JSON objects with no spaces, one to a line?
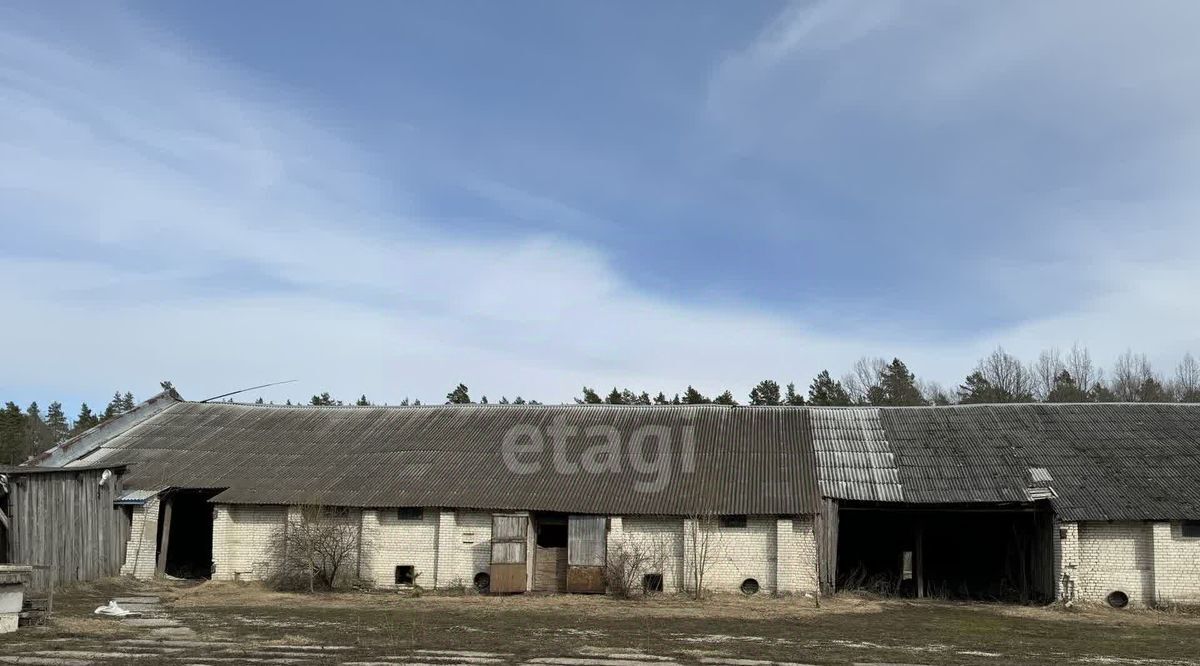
{"x":1131,"y":372}
{"x":1044,"y":371}
{"x":866,"y":374}
{"x":702,"y":544}
{"x":1007,"y":375}
{"x":1079,"y":364}
{"x":1187,"y":379}
{"x":314,"y":548}
{"x":933,"y":392}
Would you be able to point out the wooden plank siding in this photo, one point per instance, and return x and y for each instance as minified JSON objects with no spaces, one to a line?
{"x":66,"y":521}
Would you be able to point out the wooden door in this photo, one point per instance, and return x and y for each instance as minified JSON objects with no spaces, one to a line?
{"x":587,"y":548}
{"x":509,"y":553}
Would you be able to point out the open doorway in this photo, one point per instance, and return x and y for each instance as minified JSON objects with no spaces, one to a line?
{"x":185,"y":531}
{"x":550,"y":563}
{"x":1001,"y":554}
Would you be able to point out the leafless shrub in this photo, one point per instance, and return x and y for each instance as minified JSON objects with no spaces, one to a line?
{"x":630,"y":560}
{"x":702,"y":546}
{"x":315,"y":549}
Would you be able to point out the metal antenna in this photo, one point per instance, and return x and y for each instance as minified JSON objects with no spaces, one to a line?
{"x":226,"y":395}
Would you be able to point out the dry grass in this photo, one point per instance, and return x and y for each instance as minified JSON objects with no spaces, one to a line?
{"x":91,"y":627}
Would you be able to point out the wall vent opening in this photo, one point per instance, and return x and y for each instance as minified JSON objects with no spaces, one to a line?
{"x":406,"y":574}
{"x":652,"y":582}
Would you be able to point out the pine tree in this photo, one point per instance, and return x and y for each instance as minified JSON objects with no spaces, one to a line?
{"x":127,"y":402}
{"x":899,"y":386}
{"x":259,"y":400}
{"x":322,"y":400}
{"x":1152,"y":390}
{"x":13,"y":435}
{"x":115,"y":406}
{"x":827,"y":392}
{"x":520,"y":401}
{"x":725,"y":398}
{"x":643,"y":398}
{"x":1065,"y":389}
{"x":590,"y":397}
{"x":1101,"y":393}
{"x":676,"y":400}
{"x":37,"y":434}
{"x":459,"y":396}
{"x":615,"y":397}
{"x":483,"y":400}
{"x":362,"y":401}
{"x":503,"y":400}
{"x":56,"y":421}
{"x":86,"y":419}
{"x":661,"y":399}
{"x":976,"y":390}
{"x":766,"y":393}
{"x":693,"y":397}
{"x":791,"y":397}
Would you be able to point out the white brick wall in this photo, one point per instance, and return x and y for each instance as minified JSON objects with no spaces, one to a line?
{"x":796,"y":555}
{"x":449,"y":547}
{"x":1150,"y":561}
{"x":1176,"y":565}
{"x":389,"y":541}
{"x":661,"y":537}
{"x":241,"y":540}
{"x":1115,"y":556}
{"x":141,"y":551}
{"x":779,"y":553}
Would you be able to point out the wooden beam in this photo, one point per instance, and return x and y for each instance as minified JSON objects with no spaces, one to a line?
{"x":919,"y":561}
{"x":166,"y":538}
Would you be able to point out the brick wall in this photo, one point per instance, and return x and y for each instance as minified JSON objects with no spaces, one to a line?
{"x":141,"y":551}
{"x":1176,"y":565}
{"x":659,"y":538}
{"x":390,"y":541}
{"x":1115,"y":556}
{"x":241,"y":540}
{"x":779,"y":553}
{"x":796,"y":555}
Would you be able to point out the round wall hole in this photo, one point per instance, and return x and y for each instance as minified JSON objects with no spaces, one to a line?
{"x":483,"y":582}
{"x":749,"y":586}
{"x":1117,"y":599}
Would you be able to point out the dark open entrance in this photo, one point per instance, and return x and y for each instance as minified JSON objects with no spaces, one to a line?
{"x":1003,"y":554}
{"x":550,"y":557}
{"x":185,"y":531}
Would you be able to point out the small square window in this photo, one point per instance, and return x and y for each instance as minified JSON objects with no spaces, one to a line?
{"x":1190,"y":529}
{"x":410,"y":513}
{"x":405,"y":574}
{"x":733,"y":521}
{"x":652,"y":582}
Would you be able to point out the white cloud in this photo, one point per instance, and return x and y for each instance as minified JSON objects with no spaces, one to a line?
{"x":215,"y":236}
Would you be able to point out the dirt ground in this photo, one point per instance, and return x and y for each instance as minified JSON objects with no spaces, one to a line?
{"x":219,"y":623}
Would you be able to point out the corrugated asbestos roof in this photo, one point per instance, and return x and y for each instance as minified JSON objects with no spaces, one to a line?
{"x":1095,"y":461}
{"x":740,"y":461}
{"x":1104,"y":461}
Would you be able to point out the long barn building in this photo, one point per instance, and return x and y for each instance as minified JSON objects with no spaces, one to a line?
{"x":1079,"y":502}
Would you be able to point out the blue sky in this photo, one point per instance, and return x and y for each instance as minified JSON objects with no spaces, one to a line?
{"x":390,"y":198}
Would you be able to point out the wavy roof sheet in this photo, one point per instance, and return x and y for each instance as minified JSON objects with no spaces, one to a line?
{"x":621,"y":459}
{"x":1104,"y":461}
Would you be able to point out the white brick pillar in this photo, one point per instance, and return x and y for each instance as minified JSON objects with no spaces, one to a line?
{"x":689,"y":552}
{"x":370,"y":545}
{"x":1160,"y":556}
{"x":444,"y":553}
{"x":786,"y":556}
{"x":222,"y":544}
{"x":1067,"y":547}
{"x":141,"y":551}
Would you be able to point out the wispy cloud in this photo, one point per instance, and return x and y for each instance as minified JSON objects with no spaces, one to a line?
{"x":175,"y":217}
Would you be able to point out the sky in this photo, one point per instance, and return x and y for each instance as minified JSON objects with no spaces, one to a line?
{"x":527,"y":197}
